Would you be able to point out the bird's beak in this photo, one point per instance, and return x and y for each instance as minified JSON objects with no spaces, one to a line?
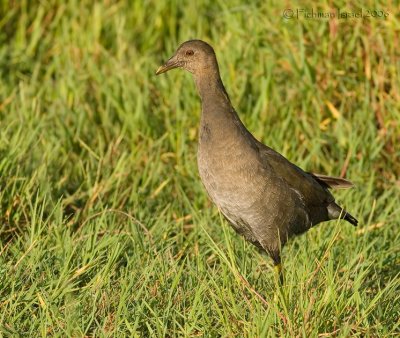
{"x":170,"y":64}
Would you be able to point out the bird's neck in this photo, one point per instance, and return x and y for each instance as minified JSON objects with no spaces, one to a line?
{"x":218,"y":118}
{"x":212,"y":92}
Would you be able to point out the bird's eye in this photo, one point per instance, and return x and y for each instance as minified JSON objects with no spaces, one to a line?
{"x":189,"y":52}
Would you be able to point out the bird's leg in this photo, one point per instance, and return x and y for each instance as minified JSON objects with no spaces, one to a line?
{"x":279,"y":273}
{"x":278,"y":268}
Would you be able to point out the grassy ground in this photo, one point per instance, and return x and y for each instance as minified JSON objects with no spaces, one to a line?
{"x":105,"y":227}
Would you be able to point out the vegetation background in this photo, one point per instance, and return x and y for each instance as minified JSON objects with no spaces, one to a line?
{"x":106,"y":229}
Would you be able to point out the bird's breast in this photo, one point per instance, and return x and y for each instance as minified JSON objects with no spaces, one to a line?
{"x":229,"y":170}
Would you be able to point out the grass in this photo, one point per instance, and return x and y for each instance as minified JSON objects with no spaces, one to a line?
{"x":105,"y":227}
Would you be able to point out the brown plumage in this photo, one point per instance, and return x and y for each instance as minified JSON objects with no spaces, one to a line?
{"x":266,"y":198}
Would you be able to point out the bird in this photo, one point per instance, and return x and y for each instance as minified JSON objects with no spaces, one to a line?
{"x":266,"y":198}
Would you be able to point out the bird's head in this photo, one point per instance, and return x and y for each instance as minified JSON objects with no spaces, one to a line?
{"x":195,"y":56}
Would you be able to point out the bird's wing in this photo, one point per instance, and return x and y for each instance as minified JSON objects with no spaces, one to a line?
{"x":332,"y":182}
{"x":307,"y":185}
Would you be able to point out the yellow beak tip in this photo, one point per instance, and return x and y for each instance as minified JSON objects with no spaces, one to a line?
{"x":159,"y":70}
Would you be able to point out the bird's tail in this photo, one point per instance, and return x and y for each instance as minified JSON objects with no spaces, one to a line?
{"x":336,"y":212}
{"x":349,"y":218}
